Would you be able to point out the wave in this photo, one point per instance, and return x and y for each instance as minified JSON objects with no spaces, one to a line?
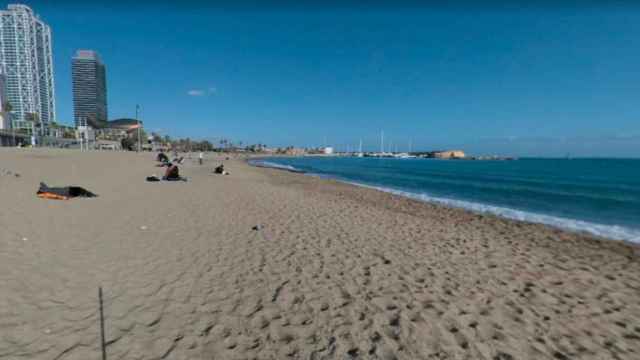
{"x":607,"y":231}
{"x":269,"y":164}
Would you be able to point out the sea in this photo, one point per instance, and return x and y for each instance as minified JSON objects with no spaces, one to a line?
{"x":597,"y":196}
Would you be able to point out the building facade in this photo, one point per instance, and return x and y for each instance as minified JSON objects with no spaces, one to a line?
{"x":26,"y":60}
{"x":5,"y":115}
{"x":448,"y":154}
{"x":89,"y":88}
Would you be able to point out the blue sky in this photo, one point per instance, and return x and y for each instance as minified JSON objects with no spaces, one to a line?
{"x":543,"y":80}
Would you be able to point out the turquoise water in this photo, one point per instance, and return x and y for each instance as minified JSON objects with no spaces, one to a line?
{"x":600,"y":196}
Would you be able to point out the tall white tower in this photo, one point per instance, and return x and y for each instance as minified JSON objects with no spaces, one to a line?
{"x":26,"y":61}
{"x":5,"y":117}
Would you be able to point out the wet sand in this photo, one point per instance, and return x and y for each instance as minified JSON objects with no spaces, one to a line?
{"x":333,"y":272}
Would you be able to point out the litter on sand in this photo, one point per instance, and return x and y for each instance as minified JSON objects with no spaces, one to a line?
{"x":5,"y":172}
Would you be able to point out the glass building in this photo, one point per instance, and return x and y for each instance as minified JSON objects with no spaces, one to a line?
{"x":26,"y":61}
{"x":5,"y":117}
{"x":89,"y":89}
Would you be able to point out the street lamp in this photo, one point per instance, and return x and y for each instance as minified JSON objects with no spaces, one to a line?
{"x":138,"y":120}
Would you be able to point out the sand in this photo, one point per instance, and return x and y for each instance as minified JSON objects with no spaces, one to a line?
{"x":333,"y":271}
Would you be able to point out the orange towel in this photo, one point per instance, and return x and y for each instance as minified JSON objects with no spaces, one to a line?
{"x":48,"y":195}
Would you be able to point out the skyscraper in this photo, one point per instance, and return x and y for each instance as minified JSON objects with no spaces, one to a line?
{"x":26,"y":61}
{"x":5,"y":117}
{"x":89,"y":88}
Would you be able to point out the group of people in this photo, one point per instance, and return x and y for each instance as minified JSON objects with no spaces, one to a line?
{"x":172,"y":173}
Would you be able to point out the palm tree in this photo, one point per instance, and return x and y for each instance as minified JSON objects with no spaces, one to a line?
{"x":7,"y":107}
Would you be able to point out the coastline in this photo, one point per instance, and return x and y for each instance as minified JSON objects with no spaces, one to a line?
{"x":439,"y":206}
{"x":332,"y":271}
{"x":597,"y":230}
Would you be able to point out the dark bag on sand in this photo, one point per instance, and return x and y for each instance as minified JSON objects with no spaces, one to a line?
{"x":63,"y":193}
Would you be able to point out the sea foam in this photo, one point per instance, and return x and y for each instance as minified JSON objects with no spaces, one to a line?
{"x":607,"y":231}
{"x":269,"y":164}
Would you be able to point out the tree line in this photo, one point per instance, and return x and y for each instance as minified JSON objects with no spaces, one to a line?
{"x":188,"y":144}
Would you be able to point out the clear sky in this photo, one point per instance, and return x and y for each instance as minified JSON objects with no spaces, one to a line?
{"x":541,"y":80}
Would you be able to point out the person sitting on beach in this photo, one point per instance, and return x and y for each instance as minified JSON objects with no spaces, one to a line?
{"x":162,"y":157}
{"x":219,"y":169}
{"x":172,"y":173}
{"x":179,"y":160}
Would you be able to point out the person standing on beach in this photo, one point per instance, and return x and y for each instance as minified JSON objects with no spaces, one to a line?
{"x":200,"y":156}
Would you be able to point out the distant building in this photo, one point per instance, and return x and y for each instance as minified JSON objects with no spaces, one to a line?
{"x":118,"y":129}
{"x":449,"y":154}
{"x":295,"y":151}
{"x":5,"y":120}
{"x":85,"y":134}
{"x":5,"y":115}
{"x":108,"y":145}
{"x":62,"y":131}
{"x":26,"y":60}
{"x":89,"y":88}
{"x":125,"y":124}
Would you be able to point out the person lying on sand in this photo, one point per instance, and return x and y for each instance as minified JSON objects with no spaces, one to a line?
{"x":62,"y":193}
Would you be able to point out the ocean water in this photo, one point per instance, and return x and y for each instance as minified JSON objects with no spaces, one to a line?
{"x":599,"y":196}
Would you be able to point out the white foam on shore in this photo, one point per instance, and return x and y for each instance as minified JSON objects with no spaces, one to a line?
{"x":269,"y":164}
{"x":615,"y":232}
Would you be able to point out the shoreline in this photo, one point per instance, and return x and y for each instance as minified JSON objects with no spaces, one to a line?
{"x":596,"y":230}
{"x":444,"y":206}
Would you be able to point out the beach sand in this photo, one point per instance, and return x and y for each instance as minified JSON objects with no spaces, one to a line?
{"x":333,"y":272}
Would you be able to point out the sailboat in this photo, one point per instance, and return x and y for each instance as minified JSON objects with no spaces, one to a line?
{"x":360,"y":153}
{"x":404,"y":155}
